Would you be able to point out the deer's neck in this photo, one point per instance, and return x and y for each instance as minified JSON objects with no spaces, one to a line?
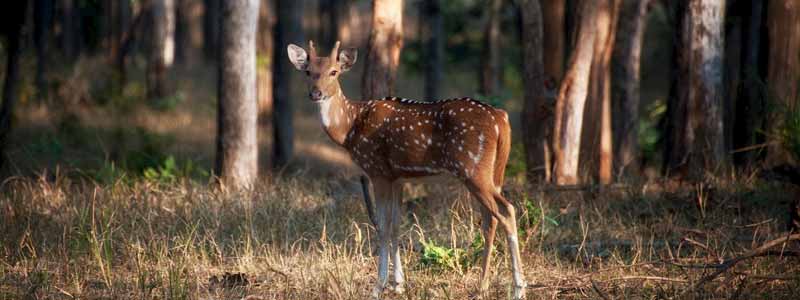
{"x":338,"y":116}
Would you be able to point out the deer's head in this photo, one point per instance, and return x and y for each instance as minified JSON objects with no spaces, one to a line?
{"x":322,"y":73}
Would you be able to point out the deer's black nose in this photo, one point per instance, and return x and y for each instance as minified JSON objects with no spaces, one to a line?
{"x":315,"y":95}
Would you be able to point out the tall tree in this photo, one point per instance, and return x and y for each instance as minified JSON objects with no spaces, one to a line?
{"x":118,"y":19}
{"x":13,"y":19}
{"x":266,"y":48}
{"x":433,"y":35}
{"x":553,"y":12}
{"x":237,"y":147}
{"x":749,"y":119}
{"x":596,"y":147}
{"x":162,"y":47}
{"x":536,"y":110}
{"x":783,"y":73}
{"x":211,"y":21}
{"x":288,"y":30}
{"x":572,"y":98}
{"x":383,"y":55}
{"x":626,"y":84}
{"x":182,"y":30}
{"x":696,"y":140}
{"x":490,"y":72}
{"x":43,"y":18}
{"x":70,"y":21}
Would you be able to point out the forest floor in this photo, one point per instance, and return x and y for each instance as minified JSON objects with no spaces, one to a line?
{"x":110,"y":201}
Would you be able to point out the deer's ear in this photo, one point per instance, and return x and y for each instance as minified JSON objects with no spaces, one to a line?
{"x":347,"y":58}
{"x":298,"y":56}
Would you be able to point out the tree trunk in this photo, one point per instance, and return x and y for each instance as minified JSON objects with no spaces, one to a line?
{"x":783,"y":75}
{"x":118,"y":20}
{"x":596,"y":148}
{"x":491,"y":67}
{"x":237,"y":146}
{"x":705,"y":93}
{"x":700,"y":146}
{"x":626,"y":85}
{"x":433,"y":35}
{"x":265,"y":40}
{"x":183,"y":23}
{"x":554,"y":38}
{"x":43,"y":18}
{"x":749,"y":118}
{"x":675,"y":119}
{"x":572,"y":98}
{"x":537,"y":111}
{"x":12,"y":22}
{"x":162,"y":47}
{"x":69,"y":15}
{"x":383,"y":55}
{"x":211,"y":21}
{"x":287,"y":30}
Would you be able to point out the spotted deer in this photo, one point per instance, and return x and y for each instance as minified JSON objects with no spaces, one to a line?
{"x":394,"y":138}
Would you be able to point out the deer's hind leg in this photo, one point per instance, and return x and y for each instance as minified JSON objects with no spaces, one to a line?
{"x":488,"y":227}
{"x":505,"y":214}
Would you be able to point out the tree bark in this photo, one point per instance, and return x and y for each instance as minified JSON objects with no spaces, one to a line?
{"x":626,"y":85}
{"x":162,"y":47}
{"x":706,"y":92}
{"x":43,"y":18}
{"x":749,"y":119}
{"x":783,"y":73}
{"x":265,"y":40}
{"x":237,"y":147}
{"x":287,"y":30}
{"x":554,"y":38}
{"x":383,"y":55}
{"x":211,"y":23}
{"x":119,"y":13}
{"x":491,"y":67}
{"x":675,"y":119}
{"x":12,"y":23}
{"x":183,"y":42}
{"x":700,"y":146}
{"x":596,"y":148}
{"x":572,"y":98}
{"x":433,"y":35}
{"x":537,"y":111}
{"x":69,"y":16}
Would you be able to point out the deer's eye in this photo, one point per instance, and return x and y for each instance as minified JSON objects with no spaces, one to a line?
{"x":308,"y":73}
{"x":333,"y":73}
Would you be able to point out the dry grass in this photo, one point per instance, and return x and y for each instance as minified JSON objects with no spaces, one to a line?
{"x":295,"y":238}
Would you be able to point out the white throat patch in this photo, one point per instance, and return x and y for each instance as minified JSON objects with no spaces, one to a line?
{"x":324,"y":111}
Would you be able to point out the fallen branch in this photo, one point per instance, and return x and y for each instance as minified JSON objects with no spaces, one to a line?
{"x":653,"y":278}
{"x":727,"y":264}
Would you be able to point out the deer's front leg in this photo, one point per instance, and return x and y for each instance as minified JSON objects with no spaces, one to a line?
{"x":397,"y":262}
{"x":383,"y":205}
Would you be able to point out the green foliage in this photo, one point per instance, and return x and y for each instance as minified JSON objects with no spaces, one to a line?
{"x":649,"y":135}
{"x":48,"y":144}
{"x":118,"y":97}
{"x":534,"y":218}
{"x":107,"y":174}
{"x":516,"y":161}
{"x":790,"y":132}
{"x":441,"y":258}
{"x":169,"y":102}
{"x":170,"y":171}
